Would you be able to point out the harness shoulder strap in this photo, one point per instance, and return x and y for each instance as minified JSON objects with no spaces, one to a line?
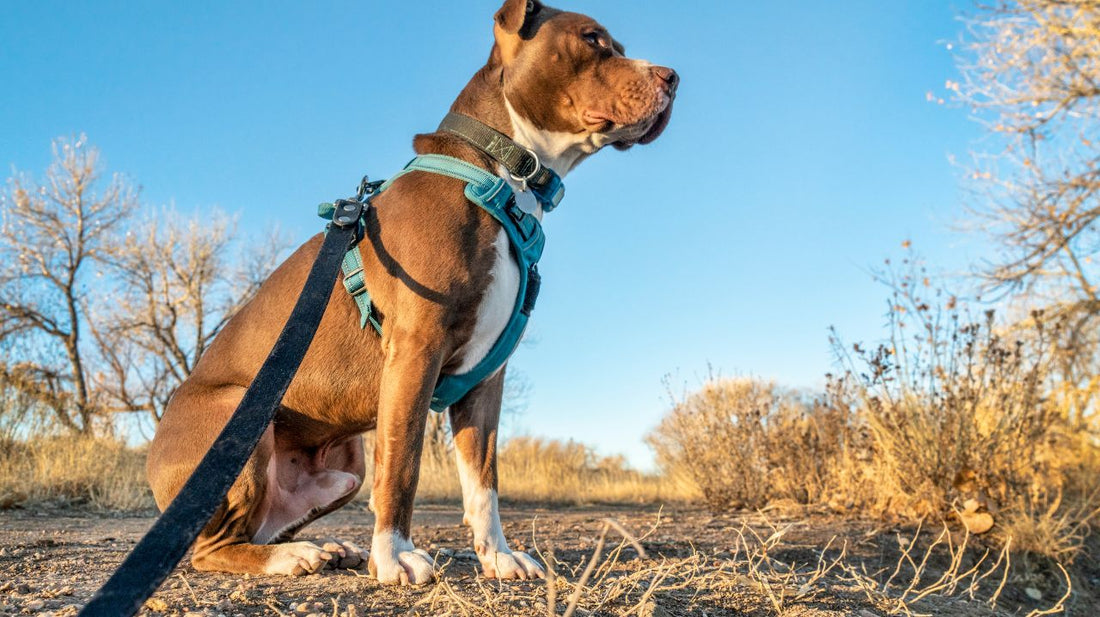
{"x":352,"y":267}
{"x":495,"y":196}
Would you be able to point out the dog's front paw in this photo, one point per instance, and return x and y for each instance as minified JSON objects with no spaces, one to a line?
{"x":510,"y":564}
{"x":398,"y":563}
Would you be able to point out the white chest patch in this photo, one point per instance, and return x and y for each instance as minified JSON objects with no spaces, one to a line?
{"x":496,"y":306}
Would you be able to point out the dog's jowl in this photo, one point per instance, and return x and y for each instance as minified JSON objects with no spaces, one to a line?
{"x":443,"y":278}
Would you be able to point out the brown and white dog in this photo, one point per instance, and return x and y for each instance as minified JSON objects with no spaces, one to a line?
{"x":440,"y":272}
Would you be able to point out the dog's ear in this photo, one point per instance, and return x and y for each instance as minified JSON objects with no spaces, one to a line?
{"x":511,"y":17}
{"x":508,"y":27}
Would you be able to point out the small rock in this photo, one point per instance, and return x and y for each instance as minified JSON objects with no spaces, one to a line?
{"x":1033,"y":593}
{"x":156,"y":605}
{"x":302,"y":608}
{"x":971,"y":505}
{"x":977,"y":522}
{"x":34,"y":605}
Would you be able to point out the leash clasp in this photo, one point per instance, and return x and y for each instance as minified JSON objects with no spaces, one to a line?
{"x":367,"y":188}
{"x":347,"y":212}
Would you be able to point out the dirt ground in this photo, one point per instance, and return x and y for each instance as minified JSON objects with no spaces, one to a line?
{"x":796,"y":563}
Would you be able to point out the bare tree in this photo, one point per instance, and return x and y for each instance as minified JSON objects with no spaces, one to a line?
{"x":1031,"y":72}
{"x":53,"y":239}
{"x":179,"y":281}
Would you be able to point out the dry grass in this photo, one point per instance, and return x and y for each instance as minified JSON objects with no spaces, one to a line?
{"x":106,"y":474}
{"x":99,"y":472}
{"x":549,"y":471}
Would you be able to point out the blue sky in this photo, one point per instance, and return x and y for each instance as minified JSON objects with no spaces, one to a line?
{"x":802,"y":152}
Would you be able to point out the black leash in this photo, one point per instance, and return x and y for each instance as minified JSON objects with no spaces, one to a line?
{"x":175,"y":531}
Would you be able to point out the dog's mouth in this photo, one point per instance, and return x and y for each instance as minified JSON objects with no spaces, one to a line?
{"x":628,"y":135}
{"x":657,"y":126}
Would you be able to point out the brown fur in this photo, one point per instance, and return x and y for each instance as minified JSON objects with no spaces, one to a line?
{"x":427,"y":257}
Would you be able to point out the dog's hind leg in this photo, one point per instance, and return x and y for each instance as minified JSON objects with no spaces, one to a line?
{"x":230,"y":542}
{"x":281,"y":490}
{"x":474,"y":422}
{"x":304,"y":484}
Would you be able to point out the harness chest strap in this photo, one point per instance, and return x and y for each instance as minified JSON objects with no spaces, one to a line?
{"x":525,"y":236}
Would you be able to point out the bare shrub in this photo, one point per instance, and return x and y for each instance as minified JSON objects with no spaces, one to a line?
{"x":960,"y":409}
{"x":951,"y":418}
{"x":745,"y":442}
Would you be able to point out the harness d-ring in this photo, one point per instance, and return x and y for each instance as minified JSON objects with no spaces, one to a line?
{"x":524,"y":179}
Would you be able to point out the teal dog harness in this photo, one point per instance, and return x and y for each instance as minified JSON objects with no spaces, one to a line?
{"x":492,"y":194}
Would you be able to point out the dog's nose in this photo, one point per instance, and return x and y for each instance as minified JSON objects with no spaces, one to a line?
{"x":670,"y":78}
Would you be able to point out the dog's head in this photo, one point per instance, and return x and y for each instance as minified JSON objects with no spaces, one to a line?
{"x":563,"y":72}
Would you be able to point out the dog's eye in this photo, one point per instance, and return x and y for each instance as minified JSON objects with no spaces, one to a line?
{"x":594,"y":39}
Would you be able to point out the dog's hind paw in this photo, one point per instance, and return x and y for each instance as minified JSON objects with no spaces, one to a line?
{"x":297,"y":559}
{"x":509,"y":565}
{"x":345,"y":555}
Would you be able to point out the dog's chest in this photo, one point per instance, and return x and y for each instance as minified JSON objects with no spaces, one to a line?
{"x":496,"y":306}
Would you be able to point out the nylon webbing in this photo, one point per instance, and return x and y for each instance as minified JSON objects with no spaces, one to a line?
{"x":519,"y":161}
{"x":146,"y":567}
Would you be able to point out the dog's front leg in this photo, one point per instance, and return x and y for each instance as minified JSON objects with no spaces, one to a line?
{"x":474,"y":422}
{"x":408,"y":378}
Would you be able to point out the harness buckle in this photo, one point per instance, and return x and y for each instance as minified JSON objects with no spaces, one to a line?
{"x":523,"y":180}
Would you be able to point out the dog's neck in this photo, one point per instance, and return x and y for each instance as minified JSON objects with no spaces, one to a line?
{"x":557,"y":150}
{"x":484,"y":100}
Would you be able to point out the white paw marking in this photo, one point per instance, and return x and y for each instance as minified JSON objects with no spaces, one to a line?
{"x":483,"y":516}
{"x":509,"y":565}
{"x":297,"y":559}
{"x":394,"y":561}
